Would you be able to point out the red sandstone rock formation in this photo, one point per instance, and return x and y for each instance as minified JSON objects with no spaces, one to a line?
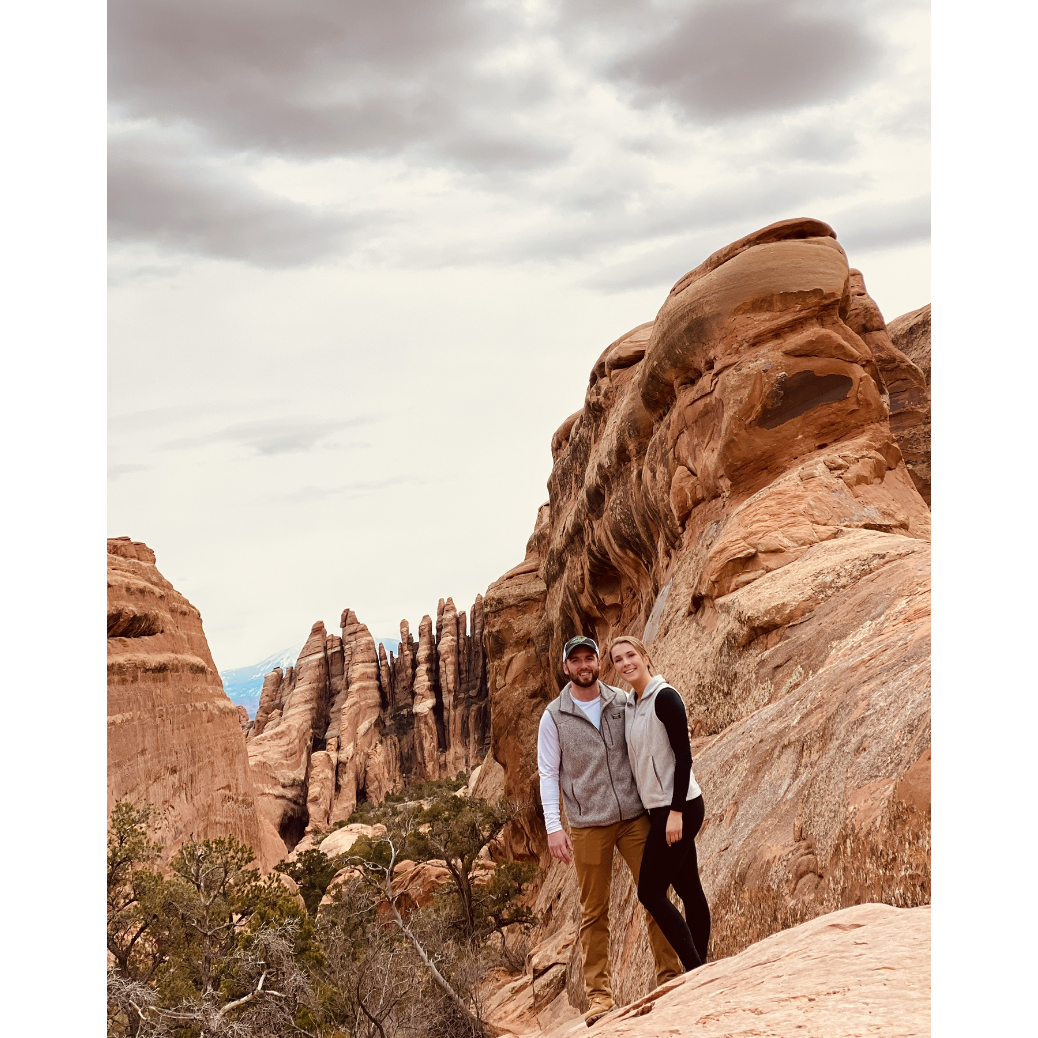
{"x":352,"y":722}
{"x":735,"y":490}
{"x":910,"y":333}
{"x":905,"y":386}
{"x":174,"y":738}
{"x":279,"y":752}
{"x":428,"y":735}
{"x":462,"y":685}
{"x":520,"y":686}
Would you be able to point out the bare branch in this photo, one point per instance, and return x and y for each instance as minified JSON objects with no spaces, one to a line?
{"x":440,"y":979}
{"x":247,"y":998}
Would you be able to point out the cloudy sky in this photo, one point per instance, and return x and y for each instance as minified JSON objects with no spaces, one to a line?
{"x":365,"y":252}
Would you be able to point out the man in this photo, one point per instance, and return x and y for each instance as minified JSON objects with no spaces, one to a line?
{"x":581,"y":747}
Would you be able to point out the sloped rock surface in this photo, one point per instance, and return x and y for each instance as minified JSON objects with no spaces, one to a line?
{"x":174,"y":738}
{"x":863,"y":970}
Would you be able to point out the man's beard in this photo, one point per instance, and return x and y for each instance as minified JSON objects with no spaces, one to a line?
{"x":585,"y":684}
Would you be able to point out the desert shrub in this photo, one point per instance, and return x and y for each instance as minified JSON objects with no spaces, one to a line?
{"x":312,"y":870}
{"x":205,"y":945}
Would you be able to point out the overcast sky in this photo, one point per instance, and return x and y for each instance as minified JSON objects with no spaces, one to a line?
{"x":365,"y":252}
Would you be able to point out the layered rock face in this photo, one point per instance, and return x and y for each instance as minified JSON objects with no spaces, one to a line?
{"x":910,"y":333}
{"x":735,"y":491}
{"x":906,"y":386}
{"x":350,"y":722}
{"x":174,"y":738}
{"x":520,"y":686}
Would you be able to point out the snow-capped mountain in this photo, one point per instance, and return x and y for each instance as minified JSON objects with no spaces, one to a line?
{"x":243,"y":685}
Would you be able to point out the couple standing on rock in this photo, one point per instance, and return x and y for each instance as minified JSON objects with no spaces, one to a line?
{"x":615,"y":757}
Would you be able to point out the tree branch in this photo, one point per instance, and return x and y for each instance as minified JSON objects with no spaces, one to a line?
{"x":247,"y":998}
{"x":364,"y":1010}
{"x":440,"y":979}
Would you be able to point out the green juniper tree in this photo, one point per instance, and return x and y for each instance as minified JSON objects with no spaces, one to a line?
{"x":312,"y":871}
{"x":206,"y":946}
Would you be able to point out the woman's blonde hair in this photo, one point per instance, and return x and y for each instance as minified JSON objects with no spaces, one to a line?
{"x":639,"y":646}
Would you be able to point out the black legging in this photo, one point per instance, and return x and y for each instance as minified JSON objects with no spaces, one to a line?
{"x":676,"y":866}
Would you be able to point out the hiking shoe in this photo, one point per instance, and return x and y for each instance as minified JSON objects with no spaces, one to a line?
{"x":598,"y":1009}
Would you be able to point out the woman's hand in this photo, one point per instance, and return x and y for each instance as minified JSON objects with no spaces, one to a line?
{"x":674,"y":822}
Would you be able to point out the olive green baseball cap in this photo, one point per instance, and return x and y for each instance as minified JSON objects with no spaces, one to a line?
{"x":575,"y":643}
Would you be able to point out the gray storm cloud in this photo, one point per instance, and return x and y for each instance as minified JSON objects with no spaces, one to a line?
{"x":486,"y":91}
{"x":859,"y":228}
{"x":185,"y":204}
{"x":664,"y":215}
{"x":325,"y":77}
{"x":742,"y":57}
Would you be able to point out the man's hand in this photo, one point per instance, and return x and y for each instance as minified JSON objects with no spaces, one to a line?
{"x":560,"y":847}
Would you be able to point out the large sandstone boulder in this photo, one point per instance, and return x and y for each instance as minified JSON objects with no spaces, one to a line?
{"x":416,"y":885}
{"x":734,"y":491}
{"x":864,"y":970}
{"x":174,"y":738}
{"x":341,"y":840}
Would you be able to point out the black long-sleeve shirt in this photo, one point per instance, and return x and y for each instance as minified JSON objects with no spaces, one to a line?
{"x":670,"y":710}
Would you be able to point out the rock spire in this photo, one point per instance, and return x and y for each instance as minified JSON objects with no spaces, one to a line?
{"x":352,"y":722}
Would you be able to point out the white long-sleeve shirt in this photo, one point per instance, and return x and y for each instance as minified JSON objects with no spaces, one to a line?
{"x":549,"y":756}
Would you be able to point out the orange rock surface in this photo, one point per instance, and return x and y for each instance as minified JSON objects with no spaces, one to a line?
{"x":905,"y":386}
{"x":174,"y":738}
{"x":735,"y":490}
{"x":863,"y":970}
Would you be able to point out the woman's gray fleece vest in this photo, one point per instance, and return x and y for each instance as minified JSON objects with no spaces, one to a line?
{"x":652,"y":756}
{"x":594,"y":771}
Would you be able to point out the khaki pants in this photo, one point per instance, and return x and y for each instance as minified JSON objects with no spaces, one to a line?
{"x":593,"y":858}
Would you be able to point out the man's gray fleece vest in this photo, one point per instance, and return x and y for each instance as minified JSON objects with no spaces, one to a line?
{"x":594,"y":771}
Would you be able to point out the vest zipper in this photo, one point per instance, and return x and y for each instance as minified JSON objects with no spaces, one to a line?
{"x":609,"y":770}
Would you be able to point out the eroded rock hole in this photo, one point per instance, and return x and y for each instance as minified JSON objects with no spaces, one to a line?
{"x":794,"y":395}
{"x":129,"y":623}
{"x":293,"y":826}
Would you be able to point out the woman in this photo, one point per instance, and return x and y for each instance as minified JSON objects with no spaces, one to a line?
{"x":656,"y":727}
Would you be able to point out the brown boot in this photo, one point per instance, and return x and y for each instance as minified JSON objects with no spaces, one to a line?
{"x":599,"y":1008}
